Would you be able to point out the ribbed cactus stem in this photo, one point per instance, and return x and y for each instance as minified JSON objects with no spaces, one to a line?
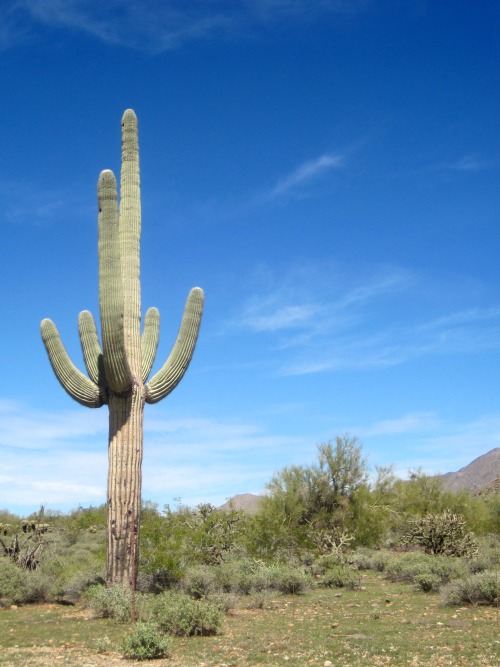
{"x":130,"y":234}
{"x":119,"y":368}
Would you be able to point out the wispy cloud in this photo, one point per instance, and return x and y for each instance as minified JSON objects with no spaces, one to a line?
{"x":467,"y":163}
{"x":304,"y":174}
{"x":160,"y":25}
{"x":322,"y":326}
{"x":308,"y":303}
{"x":408,"y":423}
{"x":380,"y":347}
{"x":28,"y":203}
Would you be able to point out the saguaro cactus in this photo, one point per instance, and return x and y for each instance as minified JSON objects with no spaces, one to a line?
{"x":118,"y":371}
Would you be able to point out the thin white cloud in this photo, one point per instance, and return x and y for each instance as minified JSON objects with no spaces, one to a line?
{"x":467,"y":163}
{"x":304,"y":174}
{"x":159,"y":25}
{"x":325,"y":326}
{"x":393,"y":346}
{"x":408,"y":423}
{"x":28,"y":203}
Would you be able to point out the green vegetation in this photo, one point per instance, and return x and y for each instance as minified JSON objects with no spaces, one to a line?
{"x":328,"y":549}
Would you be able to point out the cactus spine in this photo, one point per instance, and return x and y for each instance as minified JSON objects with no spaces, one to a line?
{"x":118,"y":370}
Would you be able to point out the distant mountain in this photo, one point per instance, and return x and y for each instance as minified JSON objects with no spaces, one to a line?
{"x":480,"y":473}
{"x":248,"y":502}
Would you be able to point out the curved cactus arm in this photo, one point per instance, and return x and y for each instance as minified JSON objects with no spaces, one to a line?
{"x":91,"y":347}
{"x":110,"y":286}
{"x":149,"y":341}
{"x":130,"y":234}
{"x":169,"y":376}
{"x":74,"y":382}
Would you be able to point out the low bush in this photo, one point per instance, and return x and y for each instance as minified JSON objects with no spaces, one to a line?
{"x":288,"y":579}
{"x":479,"y":588}
{"x":109,"y":602}
{"x":365,"y":559}
{"x":235,"y":576}
{"x":413,"y":564}
{"x":200,"y":581}
{"x":340,"y":576}
{"x":179,"y":614}
{"x":146,"y":642}
{"x":13,"y":583}
{"x":427,"y":581}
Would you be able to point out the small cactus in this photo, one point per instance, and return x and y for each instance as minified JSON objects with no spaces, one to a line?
{"x":118,"y":370}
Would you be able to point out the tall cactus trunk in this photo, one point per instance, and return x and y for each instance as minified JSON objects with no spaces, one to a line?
{"x":124,"y":486}
{"x":118,"y":370}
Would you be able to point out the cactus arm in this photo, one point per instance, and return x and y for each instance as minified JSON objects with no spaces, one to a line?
{"x":130,"y":233}
{"x":169,"y":376}
{"x":149,"y":341}
{"x":110,"y":286}
{"x":91,"y":347}
{"x":74,"y":382}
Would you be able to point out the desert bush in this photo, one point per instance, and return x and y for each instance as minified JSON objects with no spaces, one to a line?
{"x":340,"y":576}
{"x":365,"y":559}
{"x":224,"y":601}
{"x":20,"y":586}
{"x":427,"y":581}
{"x":146,"y":642}
{"x":179,"y":614}
{"x":479,"y":588}
{"x":109,"y":602}
{"x":288,"y":579}
{"x":12,"y":583}
{"x":413,"y":564}
{"x":199,"y":581}
{"x":235,"y":576}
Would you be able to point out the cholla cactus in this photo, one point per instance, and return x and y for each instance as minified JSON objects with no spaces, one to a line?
{"x":441,"y":534}
{"x":118,"y":370}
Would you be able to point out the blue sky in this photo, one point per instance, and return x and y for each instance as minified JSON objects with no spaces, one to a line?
{"x":326,"y":170}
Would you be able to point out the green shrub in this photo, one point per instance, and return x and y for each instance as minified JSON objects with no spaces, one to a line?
{"x":416,"y":563}
{"x":262,"y":579}
{"x":146,"y":642}
{"x":13,"y":587}
{"x":288,"y":579}
{"x":479,"y":588}
{"x":78,"y":582}
{"x":199,"y":581}
{"x":224,"y":601}
{"x":340,"y":576}
{"x":427,"y":581}
{"x":235,"y":576}
{"x":179,"y":614}
{"x":365,"y":559}
{"x":109,"y":602}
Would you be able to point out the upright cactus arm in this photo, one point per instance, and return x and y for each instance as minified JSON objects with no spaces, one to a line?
{"x":169,"y":376}
{"x":74,"y":382}
{"x":111,"y":297}
{"x":130,"y":236}
{"x":92,"y":352}
{"x":149,"y":341}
